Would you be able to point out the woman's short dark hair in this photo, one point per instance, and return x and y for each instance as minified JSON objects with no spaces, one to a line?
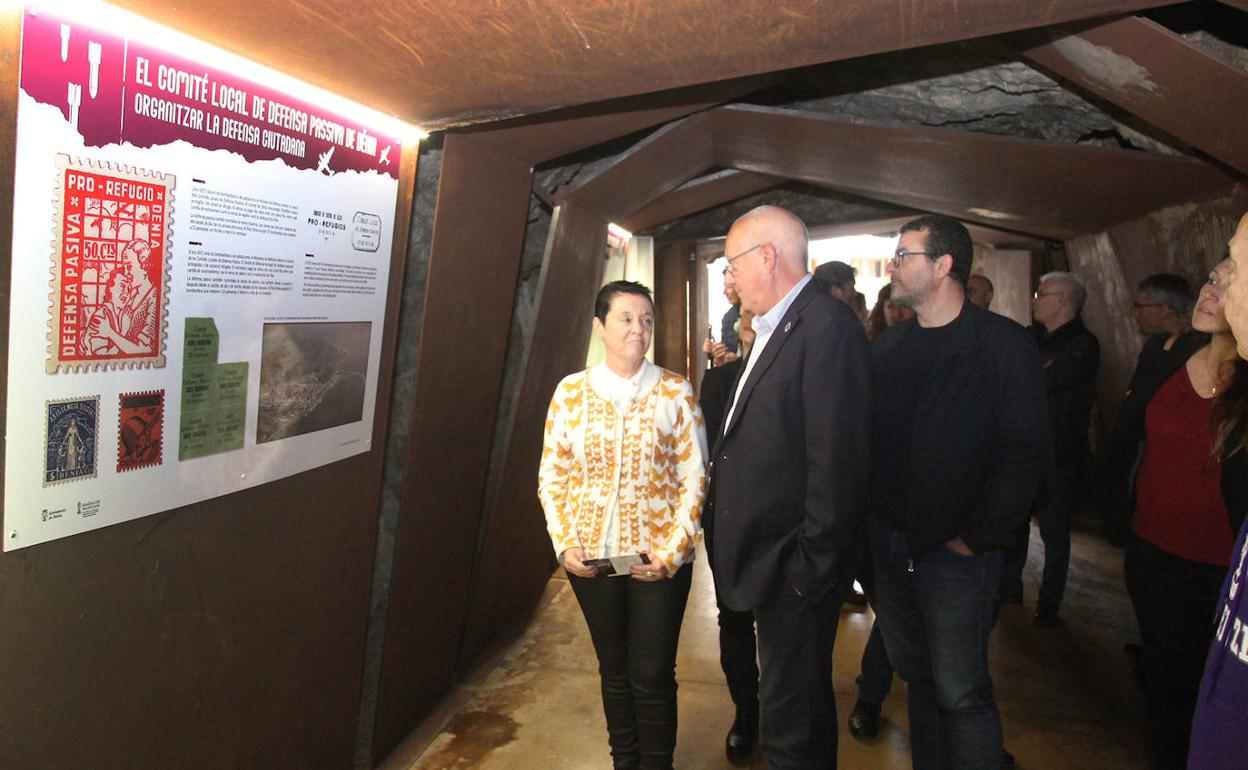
{"x":941,"y":236}
{"x":607,"y":293}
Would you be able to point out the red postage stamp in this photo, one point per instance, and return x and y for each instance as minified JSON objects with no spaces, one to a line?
{"x":140,"y":424}
{"x":110,"y":270}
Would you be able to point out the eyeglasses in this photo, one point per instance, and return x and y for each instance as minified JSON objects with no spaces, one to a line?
{"x":1040,"y":294}
{"x":1142,"y":305}
{"x":900,"y":255}
{"x":731,"y":268}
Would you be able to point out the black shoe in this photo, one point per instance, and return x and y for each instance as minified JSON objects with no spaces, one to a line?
{"x":1007,"y":759}
{"x":864,"y":722}
{"x":742,"y":738}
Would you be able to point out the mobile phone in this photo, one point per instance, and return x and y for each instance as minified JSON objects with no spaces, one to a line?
{"x":616,"y":566}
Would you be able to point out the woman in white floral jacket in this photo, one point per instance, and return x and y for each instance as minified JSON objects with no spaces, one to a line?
{"x":623,"y":473}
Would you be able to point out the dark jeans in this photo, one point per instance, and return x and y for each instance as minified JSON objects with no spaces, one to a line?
{"x":635,"y":626}
{"x":1175,"y":601}
{"x":1054,"y":503}
{"x":936,"y":620}
{"x":798,"y":721}
{"x":876,"y":678}
{"x":738,"y":655}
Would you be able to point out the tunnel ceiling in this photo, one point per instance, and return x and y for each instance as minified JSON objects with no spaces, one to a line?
{"x":438,"y":63}
{"x":1165,"y":87}
{"x":1157,"y":79}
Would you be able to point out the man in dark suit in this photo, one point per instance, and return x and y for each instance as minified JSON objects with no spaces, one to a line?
{"x":789,"y":477}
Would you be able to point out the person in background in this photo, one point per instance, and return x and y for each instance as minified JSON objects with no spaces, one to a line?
{"x":837,"y":279}
{"x":1071,"y":355}
{"x":729,"y":346}
{"x":886,"y":313}
{"x":1163,"y":305}
{"x":860,"y":308}
{"x":728,"y":324}
{"x":623,"y":473}
{"x":979,"y":290}
{"x":1162,"y":312}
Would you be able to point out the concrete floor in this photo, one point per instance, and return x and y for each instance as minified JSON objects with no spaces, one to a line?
{"x":1067,"y":696}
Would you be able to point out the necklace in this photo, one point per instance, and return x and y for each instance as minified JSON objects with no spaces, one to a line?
{"x":1213,"y":376}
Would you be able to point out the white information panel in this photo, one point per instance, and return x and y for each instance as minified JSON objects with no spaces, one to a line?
{"x":199,"y":280}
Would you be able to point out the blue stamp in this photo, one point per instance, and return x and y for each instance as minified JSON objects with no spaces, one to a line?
{"x":71,"y":427}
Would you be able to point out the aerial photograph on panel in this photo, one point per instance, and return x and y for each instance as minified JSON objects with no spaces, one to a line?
{"x":312,"y":377}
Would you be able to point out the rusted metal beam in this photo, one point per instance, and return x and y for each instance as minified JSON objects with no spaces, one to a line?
{"x":1157,"y":75}
{"x":658,"y":164}
{"x":463,"y":344}
{"x":1046,"y":188}
{"x":547,"y":136}
{"x":516,"y":558}
{"x":698,"y":195}
{"x":460,"y":62}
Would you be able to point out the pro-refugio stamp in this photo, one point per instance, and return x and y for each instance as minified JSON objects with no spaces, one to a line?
{"x":110,"y":270}
{"x":140,"y":430}
{"x":71,"y":429}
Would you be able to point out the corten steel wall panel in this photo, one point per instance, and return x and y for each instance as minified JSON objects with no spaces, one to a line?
{"x":515,"y":534}
{"x":671,"y":282}
{"x":994,"y":180}
{"x":657,"y":165}
{"x":1157,"y":75}
{"x":698,"y":197}
{"x":229,"y":633}
{"x":478,"y":232}
{"x":458,"y":62}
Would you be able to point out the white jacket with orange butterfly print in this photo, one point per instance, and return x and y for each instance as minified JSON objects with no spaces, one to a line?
{"x":614,"y":483}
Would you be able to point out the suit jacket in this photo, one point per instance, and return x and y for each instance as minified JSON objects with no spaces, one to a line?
{"x":789,"y":472}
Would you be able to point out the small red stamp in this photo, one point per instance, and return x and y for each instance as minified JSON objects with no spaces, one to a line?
{"x":140,"y":425}
{"x":110,"y":271}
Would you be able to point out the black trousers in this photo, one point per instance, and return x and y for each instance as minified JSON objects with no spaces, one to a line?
{"x":738,"y":646}
{"x":1175,"y":601}
{"x":738,"y":656}
{"x":635,"y":626}
{"x":798,"y":719}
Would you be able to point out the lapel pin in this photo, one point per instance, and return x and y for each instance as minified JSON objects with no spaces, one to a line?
{"x":788,"y":326}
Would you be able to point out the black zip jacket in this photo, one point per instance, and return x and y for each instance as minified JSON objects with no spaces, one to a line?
{"x":1070,"y":356}
{"x":979,"y":443}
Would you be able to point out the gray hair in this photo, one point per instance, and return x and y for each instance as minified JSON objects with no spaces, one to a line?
{"x":1078,"y":286}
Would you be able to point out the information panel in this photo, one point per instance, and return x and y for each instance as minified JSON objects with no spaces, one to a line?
{"x":200,"y":268}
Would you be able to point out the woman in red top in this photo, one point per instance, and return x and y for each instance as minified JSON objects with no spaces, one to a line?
{"x":1181,"y":532}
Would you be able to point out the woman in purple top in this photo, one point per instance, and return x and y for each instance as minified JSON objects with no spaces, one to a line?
{"x":1220,"y":725}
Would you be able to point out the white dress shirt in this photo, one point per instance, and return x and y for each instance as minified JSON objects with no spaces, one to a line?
{"x":764,"y":325}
